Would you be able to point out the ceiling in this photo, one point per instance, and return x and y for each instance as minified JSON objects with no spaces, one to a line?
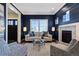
{"x":12,"y":14}
{"x":39,"y":8}
{"x":11,"y":11}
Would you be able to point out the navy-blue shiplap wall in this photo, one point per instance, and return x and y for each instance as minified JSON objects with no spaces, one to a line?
{"x":74,"y":13}
{"x":26,"y":21}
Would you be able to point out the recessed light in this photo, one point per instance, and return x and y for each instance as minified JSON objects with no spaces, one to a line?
{"x":52,"y":8}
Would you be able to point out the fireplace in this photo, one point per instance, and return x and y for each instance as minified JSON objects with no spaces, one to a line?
{"x":66,"y":36}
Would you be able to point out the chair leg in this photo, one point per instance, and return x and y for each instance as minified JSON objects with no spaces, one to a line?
{"x":34,"y":42}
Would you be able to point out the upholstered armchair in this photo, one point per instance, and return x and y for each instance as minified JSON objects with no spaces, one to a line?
{"x":71,"y":50}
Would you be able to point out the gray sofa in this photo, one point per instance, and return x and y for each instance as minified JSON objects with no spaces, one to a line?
{"x":72,"y":50}
{"x":48,"y":37}
{"x":12,"y":49}
{"x":38,"y":35}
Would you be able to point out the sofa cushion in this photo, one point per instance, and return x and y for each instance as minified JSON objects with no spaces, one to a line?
{"x":32,"y":34}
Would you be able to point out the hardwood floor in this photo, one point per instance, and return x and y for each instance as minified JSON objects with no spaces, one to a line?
{"x":36,"y":50}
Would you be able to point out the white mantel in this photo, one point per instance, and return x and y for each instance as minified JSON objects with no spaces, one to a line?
{"x":74,"y":27}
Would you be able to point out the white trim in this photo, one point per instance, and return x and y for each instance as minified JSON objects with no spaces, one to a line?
{"x":6,"y":23}
{"x":71,"y":24}
{"x":69,"y":27}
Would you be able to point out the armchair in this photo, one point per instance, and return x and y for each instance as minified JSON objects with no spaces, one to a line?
{"x":71,"y":50}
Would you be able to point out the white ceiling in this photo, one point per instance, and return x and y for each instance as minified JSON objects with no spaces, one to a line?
{"x":12,"y":14}
{"x":39,"y":8}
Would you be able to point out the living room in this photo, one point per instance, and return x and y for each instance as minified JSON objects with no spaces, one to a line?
{"x":41,"y":29}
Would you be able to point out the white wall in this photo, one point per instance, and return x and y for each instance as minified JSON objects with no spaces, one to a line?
{"x":12,"y":16}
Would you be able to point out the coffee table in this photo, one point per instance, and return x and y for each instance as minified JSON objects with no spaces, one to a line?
{"x":40,"y":42}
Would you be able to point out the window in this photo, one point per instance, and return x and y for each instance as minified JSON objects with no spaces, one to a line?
{"x":43,"y":25}
{"x":39,"y":25}
{"x":15,"y":22}
{"x":66,"y":17}
{"x":12,"y":22}
{"x":34,"y":25}
{"x":56,"y":21}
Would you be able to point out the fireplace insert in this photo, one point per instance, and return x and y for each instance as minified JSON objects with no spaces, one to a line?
{"x":66,"y":36}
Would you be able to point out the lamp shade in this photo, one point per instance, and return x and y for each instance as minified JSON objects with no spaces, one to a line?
{"x":53,"y":28}
{"x":24,"y":29}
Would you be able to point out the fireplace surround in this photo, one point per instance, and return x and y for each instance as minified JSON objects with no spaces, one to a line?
{"x":73,"y":27}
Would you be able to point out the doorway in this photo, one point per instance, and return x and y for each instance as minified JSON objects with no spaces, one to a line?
{"x":12,"y":26}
